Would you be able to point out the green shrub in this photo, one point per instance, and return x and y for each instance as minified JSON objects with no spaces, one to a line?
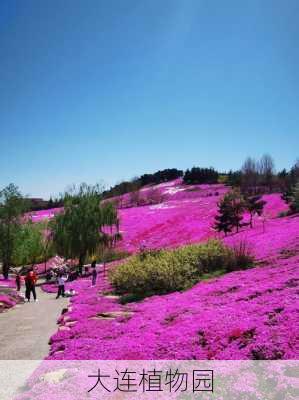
{"x":165,"y":271}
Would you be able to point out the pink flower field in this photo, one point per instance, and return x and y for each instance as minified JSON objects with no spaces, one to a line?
{"x":243,"y":315}
{"x":185,"y":216}
{"x":250,"y":314}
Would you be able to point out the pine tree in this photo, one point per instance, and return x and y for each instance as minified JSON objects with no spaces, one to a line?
{"x":223,"y":219}
{"x":254,"y":205}
{"x":230,"y":214}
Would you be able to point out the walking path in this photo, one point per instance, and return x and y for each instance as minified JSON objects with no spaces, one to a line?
{"x":25,"y":330}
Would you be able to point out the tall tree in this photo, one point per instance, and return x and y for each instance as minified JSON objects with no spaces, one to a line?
{"x":29,"y":245}
{"x":12,"y":207}
{"x":84,"y":225}
{"x":249,"y":175}
{"x":267,"y":170}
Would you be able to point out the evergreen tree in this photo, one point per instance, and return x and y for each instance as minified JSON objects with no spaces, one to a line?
{"x":231,"y":209}
{"x":223,"y":221}
{"x":254,"y":205}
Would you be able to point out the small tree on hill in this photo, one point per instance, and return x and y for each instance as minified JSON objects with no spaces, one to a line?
{"x":223,"y":219}
{"x":254,"y":205}
{"x":231,"y":209}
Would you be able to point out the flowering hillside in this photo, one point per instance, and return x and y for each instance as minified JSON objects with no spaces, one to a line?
{"x":185,"y":215}
{"x":242,"y":315}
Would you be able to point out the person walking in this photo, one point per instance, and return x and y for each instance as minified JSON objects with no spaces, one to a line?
{"x":18,"y":281}
{"x":30,"y":282}
{"x":80,"y":269}
{"x":61,"y":285}
{"x":94,"y":272}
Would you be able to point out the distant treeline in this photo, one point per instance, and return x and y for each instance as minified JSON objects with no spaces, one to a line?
{"x":254,"y":177}
{"x":164,"y":175}
{"x":201,"y":175}
{"x":34,"y":204}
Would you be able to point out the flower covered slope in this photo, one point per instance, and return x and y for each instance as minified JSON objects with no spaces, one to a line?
{"x":185,"y":216}
{"x":186,"y":220}
{"x":250,"y":314}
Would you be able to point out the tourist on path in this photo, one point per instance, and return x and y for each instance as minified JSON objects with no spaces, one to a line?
{"x":18,"y":281}
{"x":80,"y":269}
{"x":61,"y":285}
{"x":94,"y":272}
{"x":30,"y":282}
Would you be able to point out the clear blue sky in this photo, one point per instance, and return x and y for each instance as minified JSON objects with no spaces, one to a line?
{"x":107,"y":90}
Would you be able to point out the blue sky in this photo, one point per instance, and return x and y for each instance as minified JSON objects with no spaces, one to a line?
{"x":107,"y":90}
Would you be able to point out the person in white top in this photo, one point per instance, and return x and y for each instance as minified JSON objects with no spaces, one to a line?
{"x":61,"y":279}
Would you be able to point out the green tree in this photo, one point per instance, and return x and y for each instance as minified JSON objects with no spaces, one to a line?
{"x":12,"y":207}
{"x":29,"y":244}
{"x":294,"y":205}
{"x":254,"y":205}
{"x":223,"y":221}
{"x":85,"y":225}
{"x":230,"y":215}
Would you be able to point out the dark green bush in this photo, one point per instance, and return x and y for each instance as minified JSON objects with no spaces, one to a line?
{"x":167,"y":271}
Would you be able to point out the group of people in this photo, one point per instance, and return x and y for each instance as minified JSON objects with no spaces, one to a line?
{"x":30,"y":283}
{"x":60,"y":276}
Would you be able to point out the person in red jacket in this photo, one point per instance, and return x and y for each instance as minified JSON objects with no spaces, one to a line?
{"x":30,"y":282}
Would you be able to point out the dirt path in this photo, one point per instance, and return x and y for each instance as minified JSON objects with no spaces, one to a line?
{"x":25,"y":330}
